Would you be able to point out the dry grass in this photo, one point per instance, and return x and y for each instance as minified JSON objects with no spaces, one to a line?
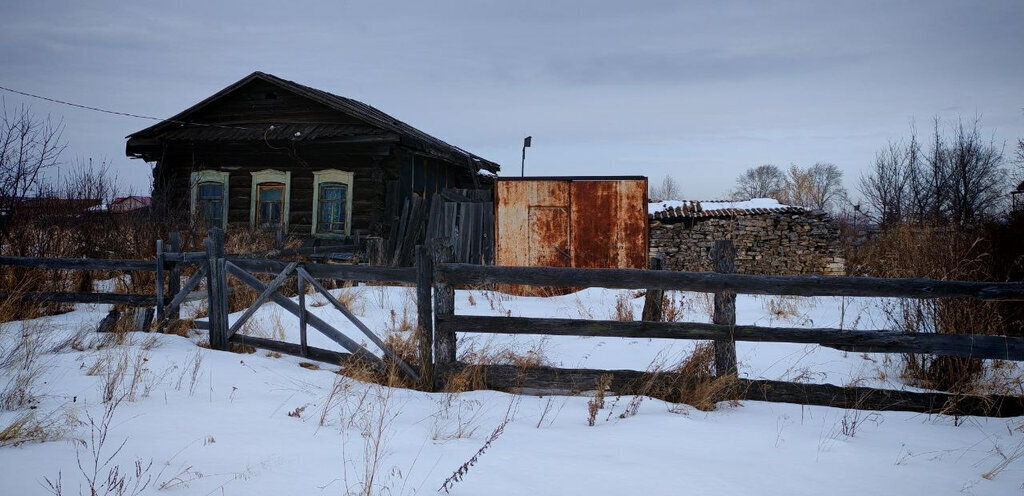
{"x":691,"y":381}
{"x":790,"y":309}
{"x":456,"y":417}
{"x":475,"y":356}
{"x":30,"y":427}
{"x":623,"y":307}
{"x":675,"y":306}
{"x":944,"y":253}
{"x":596,"y":403}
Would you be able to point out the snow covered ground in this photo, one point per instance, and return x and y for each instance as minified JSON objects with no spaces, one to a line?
{"x":224,"y":423}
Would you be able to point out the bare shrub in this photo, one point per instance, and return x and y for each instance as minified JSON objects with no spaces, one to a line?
{"x":102,"y":475}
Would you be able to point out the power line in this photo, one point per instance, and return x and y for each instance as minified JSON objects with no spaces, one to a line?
{"x":114,"y":112}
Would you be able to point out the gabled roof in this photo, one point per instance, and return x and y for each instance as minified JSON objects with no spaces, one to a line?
{"x":376,"y":119}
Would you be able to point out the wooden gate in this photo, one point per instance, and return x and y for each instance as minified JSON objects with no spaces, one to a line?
{"x":214,"y":266}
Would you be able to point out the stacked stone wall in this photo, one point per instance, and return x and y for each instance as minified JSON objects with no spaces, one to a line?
{"x":771,"y":244}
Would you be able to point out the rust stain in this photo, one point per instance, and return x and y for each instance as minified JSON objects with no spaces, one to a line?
{"x":591,"y":222}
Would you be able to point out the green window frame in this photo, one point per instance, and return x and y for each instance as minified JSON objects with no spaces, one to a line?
{"x":332,"y":203}
{"x":332,"y":208}
{"x":270,"y":199}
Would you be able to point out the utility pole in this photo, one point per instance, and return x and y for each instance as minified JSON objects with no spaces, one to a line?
{"x":526,"y":144}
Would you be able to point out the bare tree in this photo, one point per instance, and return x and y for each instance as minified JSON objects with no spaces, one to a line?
{"x":960,"y":179}
{"x":29,"y":145}
{"x":977,"y":178}
{"x":668,"y":189}
{"x":819,"y":186}
{"x":1020,"y":162}
{"x":764,"y":181}
{"x":87,"y":180}
{"x":885,"y":189}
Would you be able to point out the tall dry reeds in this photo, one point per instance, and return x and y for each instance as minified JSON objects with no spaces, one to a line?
{"x":943,"y":252}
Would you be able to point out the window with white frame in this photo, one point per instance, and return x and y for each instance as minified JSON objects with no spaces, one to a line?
{"x":270,"y":198}
{"x":210,"y":198}
{"x":332,"y":203}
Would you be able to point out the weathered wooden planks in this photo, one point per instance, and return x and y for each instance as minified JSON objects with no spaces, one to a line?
{"x":311,"y":319}
{"x":444,"y":307}
{"x":624,"y":382}
{"x":80,"y":263}
{"x":95,"y":298}
{"x":723,"y":256}
{"x":347,"y":272}
{"x":311,"y":352}
{"x":711,"y":282}
{"x":875,"y":341}
{"x":425,"y":316}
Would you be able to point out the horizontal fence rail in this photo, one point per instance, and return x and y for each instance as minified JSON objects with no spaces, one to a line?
{"x":361,"y":273}
{"x":711,"y":282}
{"x":861,"y":341}
{"x":448,"y":276}
{"x":80,"y":263}
{"x":137,"y":300}
{"x":520,"y":379}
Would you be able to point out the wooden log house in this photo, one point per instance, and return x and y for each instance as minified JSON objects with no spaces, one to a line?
{"x":268,"y":152}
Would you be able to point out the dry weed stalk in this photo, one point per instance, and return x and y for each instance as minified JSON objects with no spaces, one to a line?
{"x":596,"y":403}
{"x":101,"y":474}
{"x":460,"y":473}
{"x":373,"y":415}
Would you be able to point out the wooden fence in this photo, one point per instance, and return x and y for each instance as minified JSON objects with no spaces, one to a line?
{"x":445,"y":277}
{"x":437,"y":279}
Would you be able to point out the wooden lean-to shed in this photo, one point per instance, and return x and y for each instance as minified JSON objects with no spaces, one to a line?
{"x":591,"y":222}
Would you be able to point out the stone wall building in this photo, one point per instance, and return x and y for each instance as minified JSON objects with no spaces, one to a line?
{"x":770,"y":238}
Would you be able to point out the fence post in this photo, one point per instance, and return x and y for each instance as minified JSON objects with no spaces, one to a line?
{"x":425,"y":316}
{"x":216,"y":286}
{"x":723,"y":258}
{"x":160,"y":301}
{"x":301,"y":281}
{"x":444,"y":306}
{"x":655,"y":298}
{"x":174,"y":281}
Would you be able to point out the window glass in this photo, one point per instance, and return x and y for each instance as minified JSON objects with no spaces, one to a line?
{"x":331,"y":206}
{"x":270,"y":203}
{"x":210,"y":203}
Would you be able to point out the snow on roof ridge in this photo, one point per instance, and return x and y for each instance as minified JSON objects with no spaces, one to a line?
{"x":683,"y":208}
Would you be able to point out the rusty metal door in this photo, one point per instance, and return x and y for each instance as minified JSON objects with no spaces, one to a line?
{"x":549,"y":237}
{"x":609,"y":223}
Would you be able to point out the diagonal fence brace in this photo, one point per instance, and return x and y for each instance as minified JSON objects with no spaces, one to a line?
{"x":362,"y":327}
{"x":271,"y":288}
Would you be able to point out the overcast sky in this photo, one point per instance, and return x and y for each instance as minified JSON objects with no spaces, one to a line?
{"x":697,"y":90}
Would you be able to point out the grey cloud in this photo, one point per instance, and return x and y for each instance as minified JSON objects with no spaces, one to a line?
{"x":689,"y":66}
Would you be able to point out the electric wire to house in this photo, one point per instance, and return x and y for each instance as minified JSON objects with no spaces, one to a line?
{"x":115,"y":112}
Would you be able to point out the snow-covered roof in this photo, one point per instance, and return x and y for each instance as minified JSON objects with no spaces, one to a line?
{"x":670,"y":209}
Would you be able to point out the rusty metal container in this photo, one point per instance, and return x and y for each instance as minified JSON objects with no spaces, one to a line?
{"x":593,"y":222}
